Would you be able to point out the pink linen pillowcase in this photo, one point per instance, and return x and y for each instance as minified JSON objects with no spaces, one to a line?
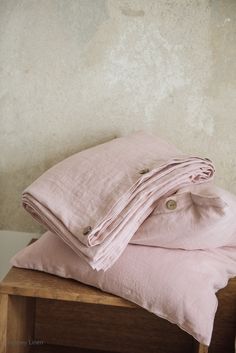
{"x":177,"y":285}
{"x":203,"y":217}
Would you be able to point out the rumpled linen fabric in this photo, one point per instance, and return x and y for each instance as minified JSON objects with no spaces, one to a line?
{"x":204,"y":218}
{"x":177,"y":285}
{"x":147,"y":222}
{"x":97,"y":199}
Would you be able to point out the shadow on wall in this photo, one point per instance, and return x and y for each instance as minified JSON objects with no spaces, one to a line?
{"x":14,"y":216}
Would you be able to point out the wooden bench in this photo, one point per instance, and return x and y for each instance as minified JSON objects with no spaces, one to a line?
{"x":39,"y":310}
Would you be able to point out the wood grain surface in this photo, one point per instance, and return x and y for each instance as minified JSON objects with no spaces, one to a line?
{"x":42,"y":285}
{"x":3,"y":322}
{"x":202,"y":349}
{"x":48,"y":348}
{"x":16,"y":323}
{"x":109,"y":328}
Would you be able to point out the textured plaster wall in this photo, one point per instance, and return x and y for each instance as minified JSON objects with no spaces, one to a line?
{"x":74,"y":73}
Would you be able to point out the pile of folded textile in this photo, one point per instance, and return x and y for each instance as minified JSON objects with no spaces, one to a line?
{"x":138,"y":218}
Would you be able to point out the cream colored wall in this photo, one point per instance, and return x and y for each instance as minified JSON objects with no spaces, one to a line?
{"x":74,"y":73}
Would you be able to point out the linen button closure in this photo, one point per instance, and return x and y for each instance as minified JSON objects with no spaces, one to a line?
{"x":87,"y":230}
{"x":171,"y":204}
{"x":144,"y":171}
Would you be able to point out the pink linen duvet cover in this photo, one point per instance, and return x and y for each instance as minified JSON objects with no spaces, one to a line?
{"x":147,"y":223}
{"x":97,"y":199}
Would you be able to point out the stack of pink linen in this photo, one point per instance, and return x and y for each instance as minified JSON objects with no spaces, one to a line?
{"x":138,"y":218}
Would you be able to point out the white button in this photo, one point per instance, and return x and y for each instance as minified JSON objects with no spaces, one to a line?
{"x":144,"y":171}
{"x":87,"y":230}
{"x":171,"y":204}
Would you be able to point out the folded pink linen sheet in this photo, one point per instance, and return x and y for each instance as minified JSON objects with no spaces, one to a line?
{"x":177,"y":285}
{"x":97,"y":199}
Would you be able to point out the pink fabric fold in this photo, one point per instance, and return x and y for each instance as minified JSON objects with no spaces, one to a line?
{"x":97,"y":199}
{"x":204,"y":218}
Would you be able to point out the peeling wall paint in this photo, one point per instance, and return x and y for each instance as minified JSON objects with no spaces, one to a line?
{"x":74,"y":73}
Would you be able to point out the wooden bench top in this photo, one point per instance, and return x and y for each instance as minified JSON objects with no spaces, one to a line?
{"x":31,"y":283}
